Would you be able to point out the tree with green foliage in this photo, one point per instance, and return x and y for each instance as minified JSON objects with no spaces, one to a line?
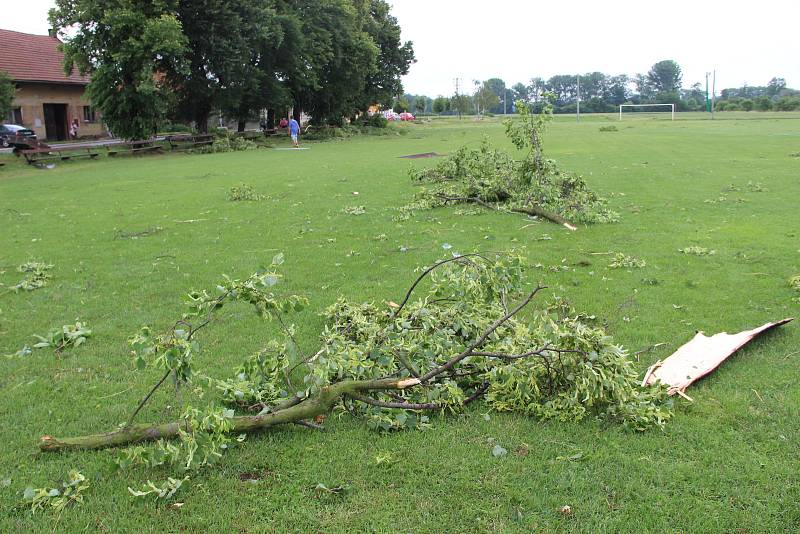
{"x":461,"y":104}
{"x":441,"y":104}
{"x":420,"y":104}
{"x":339,"y":57}
{"x":228,"y":57}
{"x":485,"y":97}
{"x":775,"y":86}
{"x":127,"y":46}
{"x":394,"y":56}
{"x":7,"y":92}
{"x":665,"y":76}
{"x":763,"y":103}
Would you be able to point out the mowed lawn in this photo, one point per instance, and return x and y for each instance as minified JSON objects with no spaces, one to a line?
{"x":726,"y":463}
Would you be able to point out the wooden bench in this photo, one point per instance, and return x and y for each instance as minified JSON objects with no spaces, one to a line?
{"x":35,"y":155}
{"x":188,"y":141}
{"x":142,"y":146}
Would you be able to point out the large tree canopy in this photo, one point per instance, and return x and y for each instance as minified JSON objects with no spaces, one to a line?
{"x":127,"y":46}
{"x":665,"y":77}
{"x":331,"y":58}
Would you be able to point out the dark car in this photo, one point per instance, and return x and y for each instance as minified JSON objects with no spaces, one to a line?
{"x":16,"y":136}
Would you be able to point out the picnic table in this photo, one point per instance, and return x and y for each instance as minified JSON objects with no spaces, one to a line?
{"x":189,"y":141}
{"x":133,"y":147}
{"x":35,"y":155}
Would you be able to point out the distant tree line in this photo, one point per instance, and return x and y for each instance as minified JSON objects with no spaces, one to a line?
{"x":153,"y":61}
{"x":603,"y":93}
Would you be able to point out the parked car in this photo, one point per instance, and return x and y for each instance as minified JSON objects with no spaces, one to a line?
{"x":16,"y":136}
{"x":405,"y":116}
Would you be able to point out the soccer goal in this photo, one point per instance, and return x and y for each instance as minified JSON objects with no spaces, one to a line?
{"x":671,"y":106}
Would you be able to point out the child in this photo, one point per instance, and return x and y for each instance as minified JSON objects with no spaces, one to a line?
{"x":294,"y":131}
{"x":73,"y":129}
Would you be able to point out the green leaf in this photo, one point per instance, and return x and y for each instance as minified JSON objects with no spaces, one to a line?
{"x":498,"y":451}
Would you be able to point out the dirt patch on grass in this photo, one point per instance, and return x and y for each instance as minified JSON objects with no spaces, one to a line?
{"x":423,"y":155}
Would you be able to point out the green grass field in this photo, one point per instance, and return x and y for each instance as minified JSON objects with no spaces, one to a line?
{"x":726,"y":463}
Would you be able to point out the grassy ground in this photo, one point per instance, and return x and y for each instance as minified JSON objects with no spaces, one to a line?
{"x":727,"y":463}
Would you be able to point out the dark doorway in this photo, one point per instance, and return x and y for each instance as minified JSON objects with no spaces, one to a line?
{"x":55,"y":122}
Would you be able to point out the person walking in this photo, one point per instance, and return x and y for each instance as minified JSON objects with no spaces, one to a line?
{"x":294,"y":131}
{"x":73,"y":129}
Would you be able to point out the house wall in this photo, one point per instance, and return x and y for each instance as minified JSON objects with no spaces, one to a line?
{"x":31,"y":98}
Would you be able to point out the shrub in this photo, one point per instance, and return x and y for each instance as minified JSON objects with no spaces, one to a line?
{"x":763,"y":103}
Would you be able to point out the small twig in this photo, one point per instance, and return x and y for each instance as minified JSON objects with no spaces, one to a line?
{"x":425,"y":273}
{"x":757,"y":395}
{"x":401,"y":405}
{"x":477,"y":394}
{"x":147,"y":398}
{"x":115,"y":394}
{"x":309,"y":424}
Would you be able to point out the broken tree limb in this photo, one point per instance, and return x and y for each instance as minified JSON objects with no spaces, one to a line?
{"x":293,"y":410}
{"x":699,"y":357}
{"x":320,"y":403}
{"x":532,"y":210}
{"x":535,"y":210}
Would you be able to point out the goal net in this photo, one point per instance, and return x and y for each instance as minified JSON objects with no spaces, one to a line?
{"x":642,"y":110}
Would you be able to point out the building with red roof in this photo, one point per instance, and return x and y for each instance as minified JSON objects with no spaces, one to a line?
{"x":47,"y":100}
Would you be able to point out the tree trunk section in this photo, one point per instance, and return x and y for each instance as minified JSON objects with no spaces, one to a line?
{"x":319,"y":404}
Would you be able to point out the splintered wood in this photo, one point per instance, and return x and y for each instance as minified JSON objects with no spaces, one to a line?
{"x":699,"y":357}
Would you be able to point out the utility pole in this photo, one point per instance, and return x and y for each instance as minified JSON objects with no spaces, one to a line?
{"x":578,"y":102}
{"x":713,"y":92}
{"x":708,"y":101}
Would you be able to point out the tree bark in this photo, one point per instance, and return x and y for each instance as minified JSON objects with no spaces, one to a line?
{"x":319,"y":404}
{"x":532,"y":210}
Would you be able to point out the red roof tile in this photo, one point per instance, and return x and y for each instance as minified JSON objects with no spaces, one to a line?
{"x":34,"y":58}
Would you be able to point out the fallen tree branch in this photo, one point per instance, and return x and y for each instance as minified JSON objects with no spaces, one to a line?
{"x":532,"y":210}
{"x":319,"y":404}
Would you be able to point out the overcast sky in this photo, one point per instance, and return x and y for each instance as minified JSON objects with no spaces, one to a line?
{"x":518,"y":39}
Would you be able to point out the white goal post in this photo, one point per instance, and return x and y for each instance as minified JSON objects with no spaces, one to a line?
{"x":672,"y":106}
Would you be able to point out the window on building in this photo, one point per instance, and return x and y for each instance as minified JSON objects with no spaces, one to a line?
{"x":14,"y":116}
{"x":88,"y":114}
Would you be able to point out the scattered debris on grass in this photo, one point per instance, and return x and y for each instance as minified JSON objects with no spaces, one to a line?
{"x":354,"y":210}
{"x":21,"y":353}
{"x":71,"y":491}
{"x":699,"y":357}
{"x":492,"y":179}
{"x":68,"y":336}
{"x":165,"y":491}
{"x":322,"y":489}
{"x":610,"y":128}
{"x":697,"y":251}
{"x":623,"y":261}
{"x":244,"y":192}
{"x":498,"y":451}
{"x":794,"y":283}
{"x":122,"y":234}
{"x":36,"y":276}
